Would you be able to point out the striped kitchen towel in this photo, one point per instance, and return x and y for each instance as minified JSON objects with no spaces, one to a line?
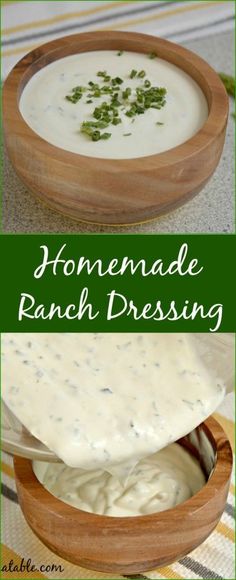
{"x":213,"y":559}
{"x":26,"y":25}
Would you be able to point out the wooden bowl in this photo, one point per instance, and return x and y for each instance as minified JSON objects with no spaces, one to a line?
{"x":114,"y":191}
{"x":129,"y":545}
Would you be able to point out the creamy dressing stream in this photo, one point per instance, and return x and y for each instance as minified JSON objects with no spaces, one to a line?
{"x":105,"y":401}
{"x":157,"y":483}
{"x":50,"y":115}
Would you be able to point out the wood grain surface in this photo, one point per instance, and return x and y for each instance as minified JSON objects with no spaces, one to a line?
{"x":108,"y":191}
{"x":127,"y":545}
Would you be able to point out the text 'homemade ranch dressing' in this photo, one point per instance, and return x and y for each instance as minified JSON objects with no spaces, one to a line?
{"x":46,"y":109}
{"x":105,"y":401}
{"x":157,"y":483}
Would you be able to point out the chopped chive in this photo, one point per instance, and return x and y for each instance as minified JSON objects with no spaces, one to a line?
{"x":96,"y":135}
{"x":102,"y":124}
{"x":105,"y":136}
{"x":120,"y":52}
{"x":141,"y":74}
{"x":131,"y":112}
{"x":77,"y":93}
{"x":158,"y":123}
{"x":152,"y":55}
{"x":116,"y":121}
{"x":87,"y":125}
{"x":229,"y":83}
{"x":117,"y":81}
{"x":104,"y":75}
{"x":126,"y":93}
{"x":107,"y":113}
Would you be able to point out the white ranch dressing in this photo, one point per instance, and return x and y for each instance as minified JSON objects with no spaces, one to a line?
{"x":101,"y":400}
{"x":157,"y":483}
{"x":50,"y":115}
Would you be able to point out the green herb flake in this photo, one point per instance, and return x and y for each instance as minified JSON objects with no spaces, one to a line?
{"x":131,"y":112}
{"x":104,"y":76}
{"x":120,"y":53}
{"x":229,"y":83}
{"x":133,"y":73}
{"x":158,"y":123}
{"x":152,"y":55}
{"x":141,"y":74}
{"x":117,"y":81}
{"x":145,"y":97}
{"x":77,"y":93}
{"x":116,"y":121}
{"x":126,"y":93}
{"x":105,"y":136}
{"x":96,"y":136}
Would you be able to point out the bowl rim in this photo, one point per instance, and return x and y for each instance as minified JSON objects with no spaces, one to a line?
{"x":220,"y":475}
{"x":218,"y":107}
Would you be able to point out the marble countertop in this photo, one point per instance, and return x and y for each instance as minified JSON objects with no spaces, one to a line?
{"x":212,"y":210}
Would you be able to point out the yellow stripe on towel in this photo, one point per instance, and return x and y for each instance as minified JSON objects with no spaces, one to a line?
{"x":163,"y":14}
{"x":122,"y":24}
{"x":232,"y":489}
{"x":23,"y":50}
{"x":168,"y":572}
{"x":7,"y":469}
{"x":226,"y":531}
{"x":67,"y":16}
